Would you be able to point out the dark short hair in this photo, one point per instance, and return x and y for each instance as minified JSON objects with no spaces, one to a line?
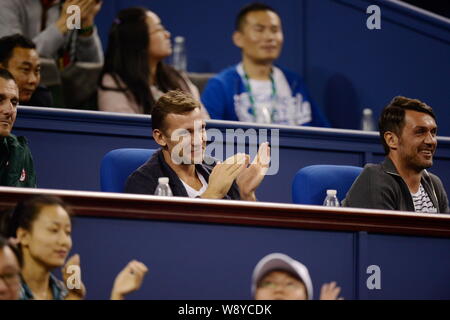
{"x":251,"y":7}
{"x":26,"y":212}
{"x":174,"y":101}
{"x":5,"y":74}
{"x":23,"y":216}
{"x":393,"y":116}
{"x":8,"y":43}
{"x":4,"y":243}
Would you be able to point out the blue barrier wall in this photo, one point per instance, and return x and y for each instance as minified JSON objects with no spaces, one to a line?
{"x":207,"y":249}
{"x":406,"y":264}
{"x":68,"y":147}
{"x":346,"y":66}
{"x":184,"y":266}
{"x":350,"y":67}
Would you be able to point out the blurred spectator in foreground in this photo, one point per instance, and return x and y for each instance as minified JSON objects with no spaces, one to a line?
{"x":9,"y":271}
{"x":279,"y":277}
{"x":42,"y":227}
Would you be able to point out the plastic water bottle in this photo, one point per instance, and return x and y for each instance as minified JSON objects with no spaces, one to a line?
{"x":331,"y":200}
{"x":163,"y":188}
{"x":179,"y":59}
{"x":367,"y":123}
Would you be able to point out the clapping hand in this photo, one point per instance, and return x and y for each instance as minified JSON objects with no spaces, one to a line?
{"x":223,"y":175}
{"x":71,"y":274}
{"x":330,"y":291}
{"x":252,"y":175}
{"x":128,"y":280}
{"x":88,"y":10}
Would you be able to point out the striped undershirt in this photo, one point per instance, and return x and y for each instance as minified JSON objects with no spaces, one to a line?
{"x":422,"y":202}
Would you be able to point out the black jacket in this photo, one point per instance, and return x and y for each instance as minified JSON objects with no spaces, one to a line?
{"x":42,"y":97}
{"x":145,"y":179}
{"x":379,"y":186}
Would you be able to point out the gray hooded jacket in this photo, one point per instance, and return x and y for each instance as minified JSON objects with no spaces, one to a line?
{"x":379,"y":186}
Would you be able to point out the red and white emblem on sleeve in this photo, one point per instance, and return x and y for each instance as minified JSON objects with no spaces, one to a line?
{"x":23,"y":176}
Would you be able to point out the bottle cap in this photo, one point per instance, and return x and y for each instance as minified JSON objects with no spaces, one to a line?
{"x":163,"y":180}
{"x":331,"y":192}
{"x":367,"y":112}
{"x":179,"y":39}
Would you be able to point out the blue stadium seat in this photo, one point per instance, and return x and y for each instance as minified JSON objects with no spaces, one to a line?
{"x":118,"y":164}
{"x":311,"y":183}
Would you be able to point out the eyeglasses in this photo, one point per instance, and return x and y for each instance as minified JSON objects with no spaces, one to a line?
{"x":11,"y":279}
{"x":290,"y":285}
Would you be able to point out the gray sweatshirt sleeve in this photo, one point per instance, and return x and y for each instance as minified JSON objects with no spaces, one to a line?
{"x":49,"y":41}
{"x":441,"y":194}
{"x":89,"y":49}
{"x":11,"y":18}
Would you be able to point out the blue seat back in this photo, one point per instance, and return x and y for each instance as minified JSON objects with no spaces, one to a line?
{"x":118,"y":164}
{"x":311,"y":183}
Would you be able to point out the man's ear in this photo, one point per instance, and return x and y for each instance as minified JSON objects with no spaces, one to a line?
{"x":159,"y":138}
{"x":237,"y":39}
{"x":23,"y":236}
{"x":391,"y":139}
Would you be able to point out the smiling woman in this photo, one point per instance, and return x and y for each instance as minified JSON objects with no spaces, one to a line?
{"x":134,"y":75}
{"x":42,"y":228}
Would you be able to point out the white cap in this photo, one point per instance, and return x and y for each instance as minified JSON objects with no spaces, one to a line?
{"x":367,"y":112}
{"x":179,"y":39}
{"x":280,"y":261}
{"x":163,"y":180}
{"x":331,"y":192}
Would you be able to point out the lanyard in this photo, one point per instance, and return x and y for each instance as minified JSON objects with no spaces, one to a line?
{"x":252,"y":98}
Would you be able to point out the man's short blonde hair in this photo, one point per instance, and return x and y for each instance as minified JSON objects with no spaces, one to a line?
{"x":174,"y":101}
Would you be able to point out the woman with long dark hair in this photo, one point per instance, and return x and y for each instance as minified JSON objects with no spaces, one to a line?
{"x":134,"y":75}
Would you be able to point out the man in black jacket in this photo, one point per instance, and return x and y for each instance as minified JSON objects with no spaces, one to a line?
{"x":408,"y":134}
{"x":179,"y":128}
{"x":16,"y":163}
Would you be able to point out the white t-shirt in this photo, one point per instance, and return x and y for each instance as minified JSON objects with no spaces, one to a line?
{"x":422,"y":202}
{"x":262,"y":93}
{"x":192,"y":193}
{"x":283,"y":108}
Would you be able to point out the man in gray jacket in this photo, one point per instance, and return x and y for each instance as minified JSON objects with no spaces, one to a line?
{"x":401,"y":182}
{"x":45,"y":22}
